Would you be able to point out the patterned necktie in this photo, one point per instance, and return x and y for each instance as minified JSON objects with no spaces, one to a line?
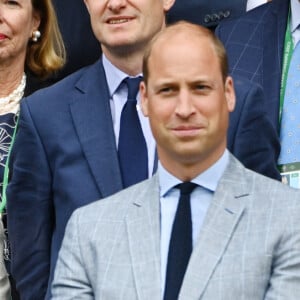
{"x":132,"y":148}
{"x":181,"y":243}
{"x":290,"y":123}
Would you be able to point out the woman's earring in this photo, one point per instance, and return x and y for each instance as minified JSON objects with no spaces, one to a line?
{"x":36,"y":35}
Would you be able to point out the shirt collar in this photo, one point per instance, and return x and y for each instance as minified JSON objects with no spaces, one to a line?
{"x":295,"y":14}
{"x":114,"y":76}
{"x":209,"y":179}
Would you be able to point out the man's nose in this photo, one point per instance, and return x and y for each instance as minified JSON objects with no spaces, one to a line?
{"x":116,"y":4}
{"x":185,"y":106}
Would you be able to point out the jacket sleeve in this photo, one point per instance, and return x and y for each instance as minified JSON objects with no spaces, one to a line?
{"x":285,"y":272}
{"x":30,"y":210}
{"x":70,"y":277}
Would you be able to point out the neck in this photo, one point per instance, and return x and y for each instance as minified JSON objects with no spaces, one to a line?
{"x":9,"y":80}
{"x":187,"y":169}
{"x":185,"y":172}
{"x":129,"y":63}
{"x":11,"y":72}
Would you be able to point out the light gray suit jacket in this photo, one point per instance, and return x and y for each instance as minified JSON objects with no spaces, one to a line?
{"x":4,"y":281}
{"x":248,"y":247}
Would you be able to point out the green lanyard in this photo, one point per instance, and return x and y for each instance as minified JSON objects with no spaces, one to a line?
{"x":287,"y":55}
{"x":6,"y":169}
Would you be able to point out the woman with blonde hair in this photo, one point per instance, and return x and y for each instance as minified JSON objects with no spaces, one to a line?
{"x":31,"y":48}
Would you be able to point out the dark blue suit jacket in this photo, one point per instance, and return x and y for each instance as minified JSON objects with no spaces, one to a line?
{"x":254,"y":44}
{"x":206,"y":13}
{"x":65,"y":157}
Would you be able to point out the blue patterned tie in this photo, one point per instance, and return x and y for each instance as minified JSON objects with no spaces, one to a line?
{"x":181,"y":243}
{"x":290,"y":123}
{"x":132,"y":148}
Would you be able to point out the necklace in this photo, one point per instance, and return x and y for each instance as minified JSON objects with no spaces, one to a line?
{"x":11,"y":102}
{"x":16,"y":94}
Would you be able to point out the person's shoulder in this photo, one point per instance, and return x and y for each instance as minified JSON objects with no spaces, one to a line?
{"x":259,"y":193}
{"x":116,"y":206}
{"x":256,"y":183}
{"x":256,"y":16}
{"x":61,"y":91}
{"x":246,"y":89}
{"x":244,"y":84}
{"x":272,"y":190}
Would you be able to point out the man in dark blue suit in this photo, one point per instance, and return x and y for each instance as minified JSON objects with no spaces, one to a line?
{"x":261,"y":46}
{"x":66,"y":150}
{"x":66,"y":153}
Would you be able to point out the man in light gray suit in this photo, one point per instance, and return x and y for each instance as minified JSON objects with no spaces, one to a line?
{"x":245,"y":231}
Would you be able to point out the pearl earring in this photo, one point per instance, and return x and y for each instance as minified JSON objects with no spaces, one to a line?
{"x":36,"y":35}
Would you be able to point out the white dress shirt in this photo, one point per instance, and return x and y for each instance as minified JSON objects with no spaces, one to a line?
{"x":254,"y":3}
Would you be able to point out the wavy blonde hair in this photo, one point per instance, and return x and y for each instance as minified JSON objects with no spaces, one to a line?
{"x":48,"y":54}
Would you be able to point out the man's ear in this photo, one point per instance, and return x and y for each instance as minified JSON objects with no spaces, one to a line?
{"x":144,"y":98}
{"x":230,"y":93}
{"x":87,"y":5}
{"x":167,"y":4}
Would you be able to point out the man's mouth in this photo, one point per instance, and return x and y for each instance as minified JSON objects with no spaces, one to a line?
{"x":118,"y":21}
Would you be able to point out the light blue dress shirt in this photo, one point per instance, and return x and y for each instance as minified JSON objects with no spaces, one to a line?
{"x":118,"y":97}
{"x":200,"y":200}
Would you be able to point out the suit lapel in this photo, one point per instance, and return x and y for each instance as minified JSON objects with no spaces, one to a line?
{"x":273,"y":44}
{"x":223,"y":216}
{"x":145,"y":248}
{"x":91,"y":114}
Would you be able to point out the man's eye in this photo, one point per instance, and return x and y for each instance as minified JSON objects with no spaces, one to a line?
{"x":201,"y":87}
{"x":165,"y":90}
{"x":12,"y":3}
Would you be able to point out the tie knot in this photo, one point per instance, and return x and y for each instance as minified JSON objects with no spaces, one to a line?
{"x":186,"y":187}
{"x":133,"y":87}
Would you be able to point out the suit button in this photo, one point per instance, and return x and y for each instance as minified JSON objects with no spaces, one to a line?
{"x":215,"y":17}
{"x":226,"y":13}
{"x":207,"y":18}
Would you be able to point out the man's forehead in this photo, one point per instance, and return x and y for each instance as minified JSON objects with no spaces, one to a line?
{"x":183,"y":46}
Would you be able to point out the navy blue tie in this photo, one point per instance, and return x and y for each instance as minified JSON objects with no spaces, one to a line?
{"x":132,"y":148}
{"x":181,"y":243}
